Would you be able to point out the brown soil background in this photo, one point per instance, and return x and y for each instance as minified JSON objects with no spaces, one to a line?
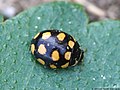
{"x":96,"y":9}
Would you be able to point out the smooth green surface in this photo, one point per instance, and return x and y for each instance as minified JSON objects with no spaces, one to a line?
{"x":1,"y":18}
{"x":100,"y":40}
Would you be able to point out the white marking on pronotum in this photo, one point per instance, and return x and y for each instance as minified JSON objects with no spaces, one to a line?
{"x":48,"y":44}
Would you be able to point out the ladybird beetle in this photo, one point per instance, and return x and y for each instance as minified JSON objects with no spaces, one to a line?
{"x":56,"y":49}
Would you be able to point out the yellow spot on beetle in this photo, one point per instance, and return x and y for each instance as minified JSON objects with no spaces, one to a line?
{"x":46,"y":35}
{"x":42,"y":50}
{"x":32,"y":48}
{"x":53,"y":66}
{"x":55,"y":55}
{"x":41,"y":61}
{"x":67,"y":55}
{"x":61,"y":36}
{"x":71,"y":44}
{"x":36,"y":35}
{"x":65,"y":65}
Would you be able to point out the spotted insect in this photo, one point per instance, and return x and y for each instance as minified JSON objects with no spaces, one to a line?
{"x":56,"y":49}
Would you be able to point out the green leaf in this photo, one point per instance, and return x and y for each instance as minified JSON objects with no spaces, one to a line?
{"x":1,"y":18}
{"x":100,"y":66}
{"x":101,"y":61}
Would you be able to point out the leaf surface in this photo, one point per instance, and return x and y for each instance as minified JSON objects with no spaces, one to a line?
{"x":100,"y":41}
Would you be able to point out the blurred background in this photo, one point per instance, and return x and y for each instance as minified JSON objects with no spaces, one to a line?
{"x":96,"y":9}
